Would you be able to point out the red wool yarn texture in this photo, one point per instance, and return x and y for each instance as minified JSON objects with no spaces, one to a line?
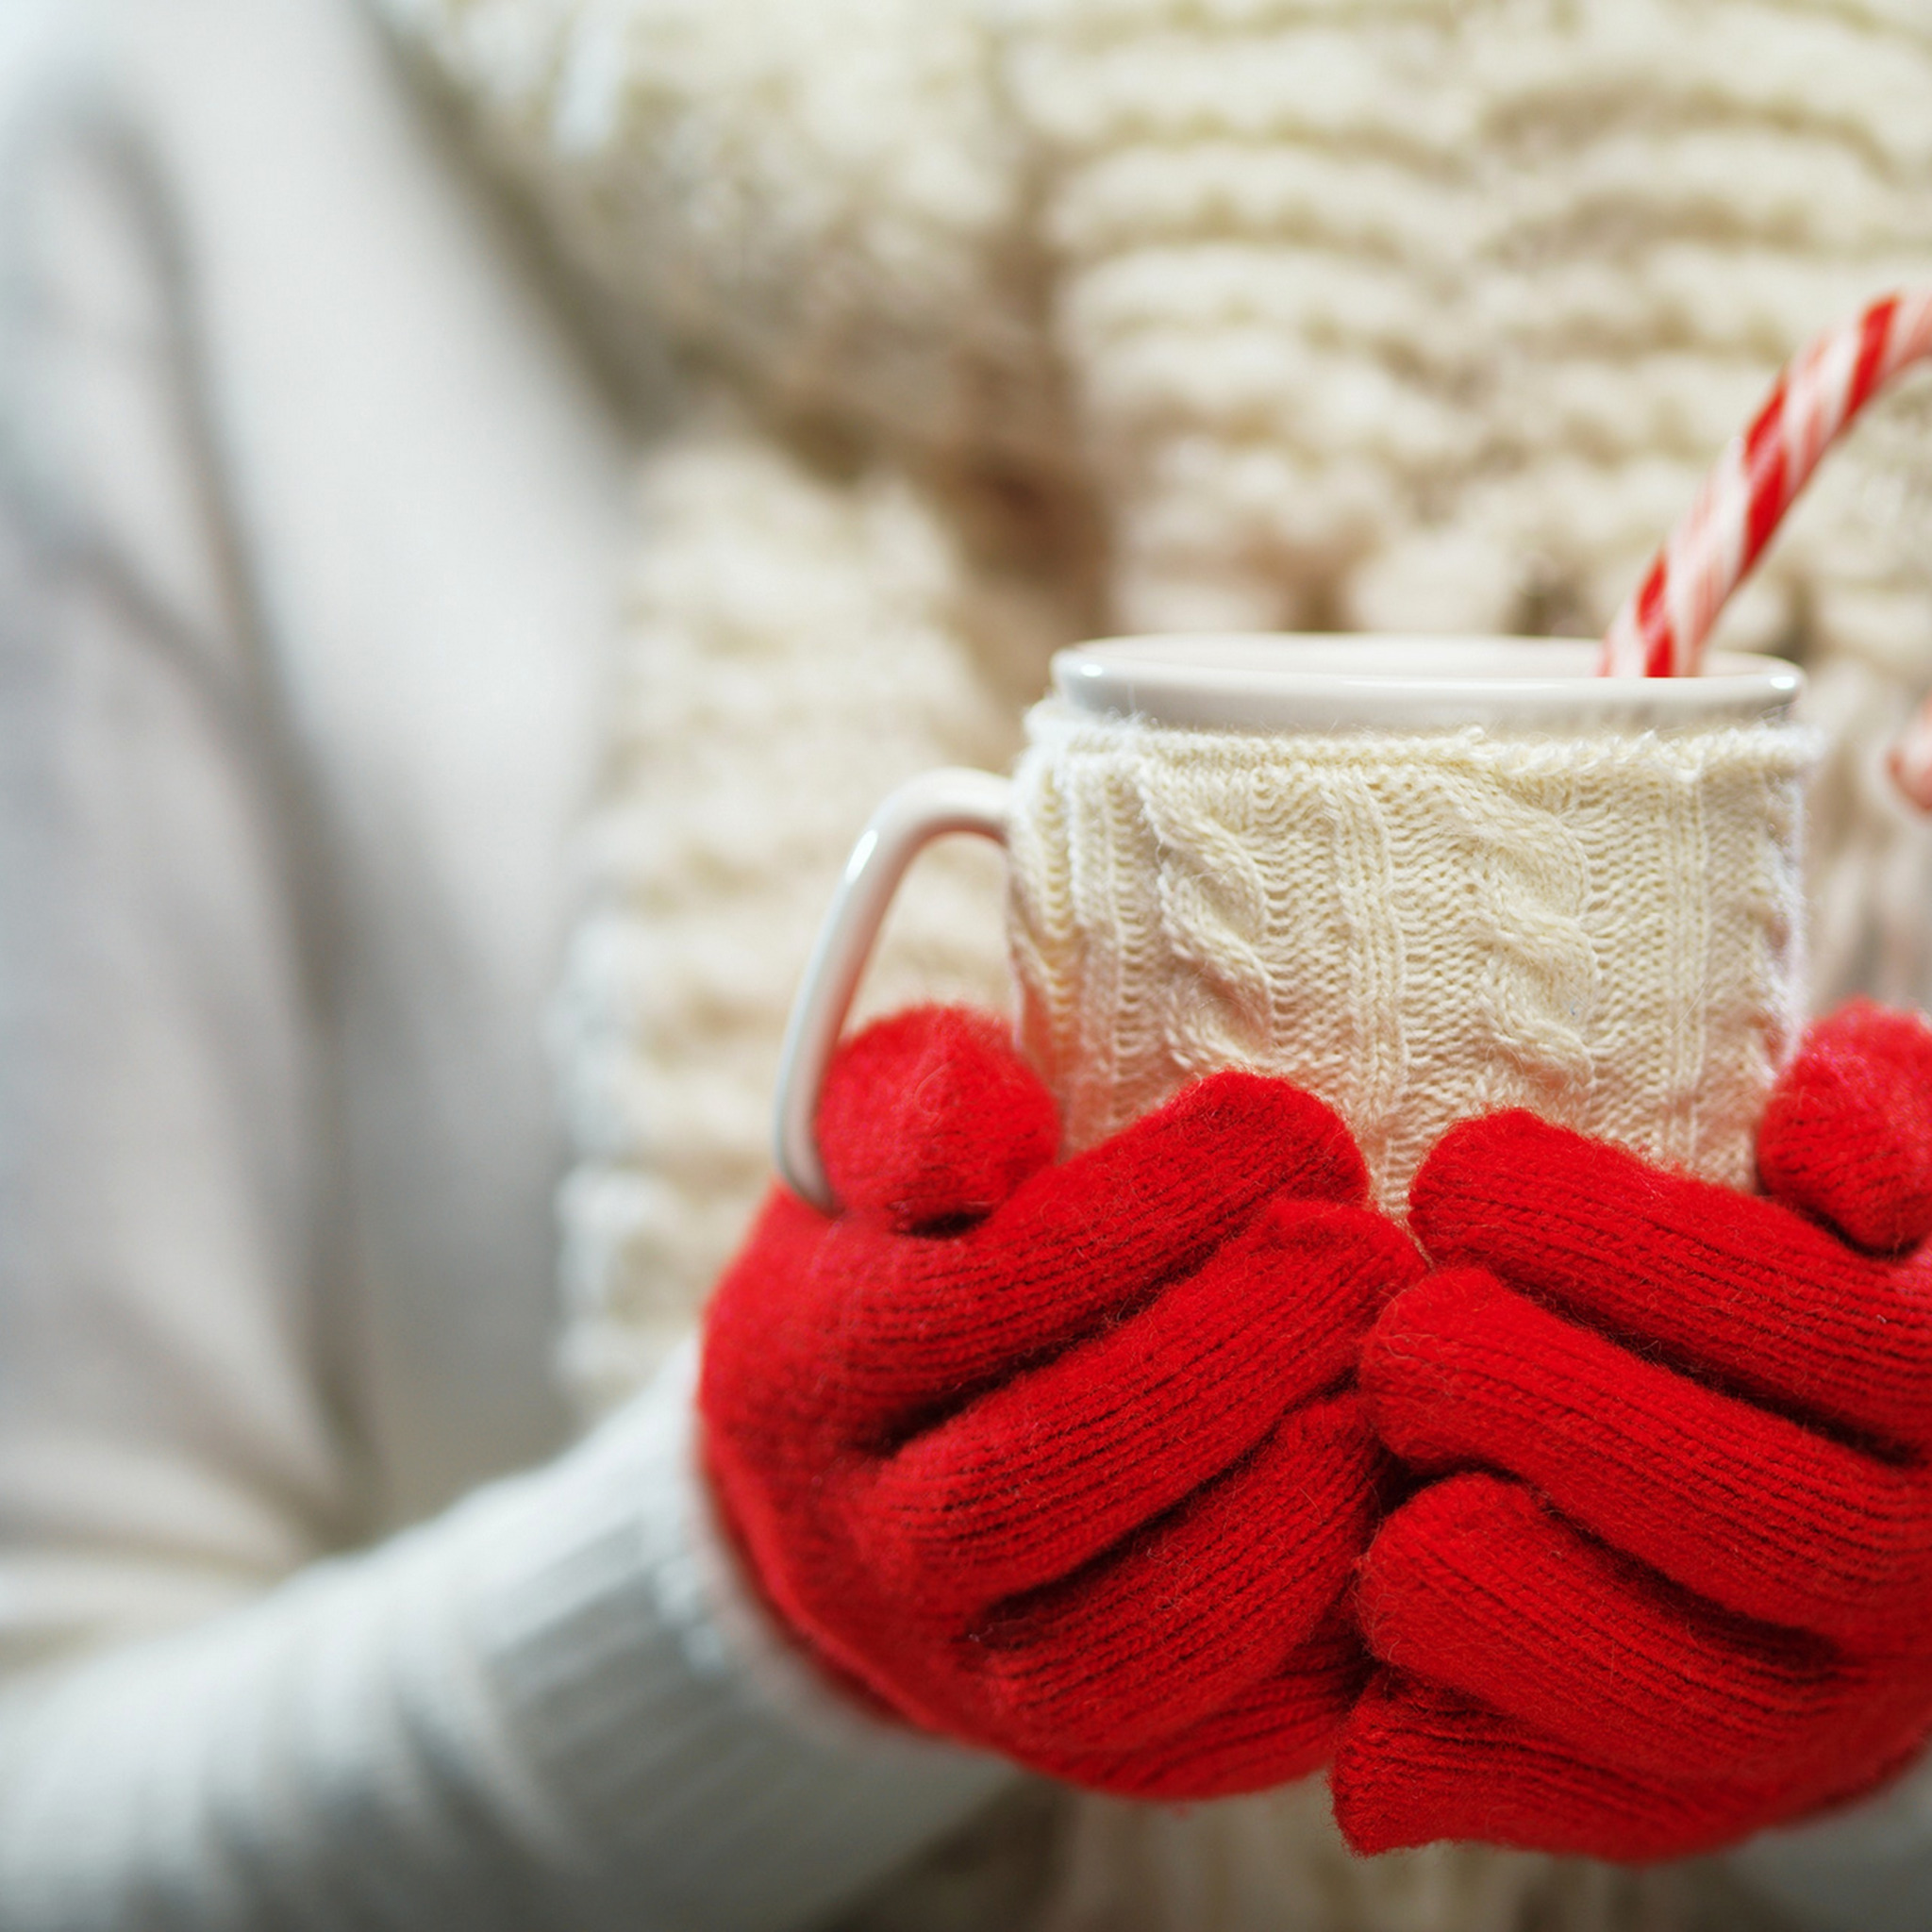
{"x":1672,"y":1580}
{"x":1063,"y":1458}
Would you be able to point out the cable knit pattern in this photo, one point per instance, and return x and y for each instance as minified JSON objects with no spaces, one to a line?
{"x":1402,"y":314}
{"x":1408,"y":314}
{"x":1416,"y":926}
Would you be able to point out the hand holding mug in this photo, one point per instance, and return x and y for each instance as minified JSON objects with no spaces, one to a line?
{"x":1063,"y":1459}
{"x":1675,"y":1582}
{"x":1423,"y":880}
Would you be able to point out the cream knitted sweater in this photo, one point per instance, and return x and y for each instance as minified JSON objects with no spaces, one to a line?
{"x":994,"y":327}
{"x":1005,"y":321}
{"x":1002,"y":321}
{"x":298,"y":664}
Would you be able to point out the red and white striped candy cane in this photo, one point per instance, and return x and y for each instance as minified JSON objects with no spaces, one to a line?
{"x":1662,"y":630}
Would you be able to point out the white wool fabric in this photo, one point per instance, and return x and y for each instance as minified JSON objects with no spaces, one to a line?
{"x":1430,"y":315}
{"x":830,"y":200}
{"x":302,"y":483}
{"x":1246,"y":313}
{"x":288,"y":459}
{"x":795,"y":650}
{"x":1404,"y":315}
{"x":1417,"y":926}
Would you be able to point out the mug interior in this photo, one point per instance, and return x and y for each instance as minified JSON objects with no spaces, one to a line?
{"x":1272,"y":682}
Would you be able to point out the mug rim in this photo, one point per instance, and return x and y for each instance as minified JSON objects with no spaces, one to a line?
{"x":1340,"y":681}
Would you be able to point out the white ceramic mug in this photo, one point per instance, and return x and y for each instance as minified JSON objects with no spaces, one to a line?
{"x":1422,"y":877}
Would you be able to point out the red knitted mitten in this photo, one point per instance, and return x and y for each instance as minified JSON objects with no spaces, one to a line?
{"x":1065,"y":1460}
{"x":1679,"y":1586}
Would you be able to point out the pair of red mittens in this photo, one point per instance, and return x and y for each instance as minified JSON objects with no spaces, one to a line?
{"x":1064,"y":1459}
{"x":1072,"y":1460}
{"x":1672,"y":1581}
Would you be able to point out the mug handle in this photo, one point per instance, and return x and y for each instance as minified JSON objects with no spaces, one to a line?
{"x":951,"y":799}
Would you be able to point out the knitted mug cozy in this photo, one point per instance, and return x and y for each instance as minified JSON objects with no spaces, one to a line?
{"x":1416,"y":926}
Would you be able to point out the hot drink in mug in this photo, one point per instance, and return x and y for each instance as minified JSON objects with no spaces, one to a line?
{"x":1422,"y":878}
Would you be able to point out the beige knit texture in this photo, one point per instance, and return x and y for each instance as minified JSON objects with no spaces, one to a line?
{"x":1417,"y":927}
{"x":1423,"y":315}
{"x":794,"y":647}
{"x":831,"y":201}
{"x":1404,"y":313}
{"x":1408,"y":314}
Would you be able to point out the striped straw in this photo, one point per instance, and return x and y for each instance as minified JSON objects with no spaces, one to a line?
{"x":1662,"y":630}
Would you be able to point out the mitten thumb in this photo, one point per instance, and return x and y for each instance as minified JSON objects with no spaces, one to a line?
{"x":1847,"y":1133}
{"x":931,"y":1116}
